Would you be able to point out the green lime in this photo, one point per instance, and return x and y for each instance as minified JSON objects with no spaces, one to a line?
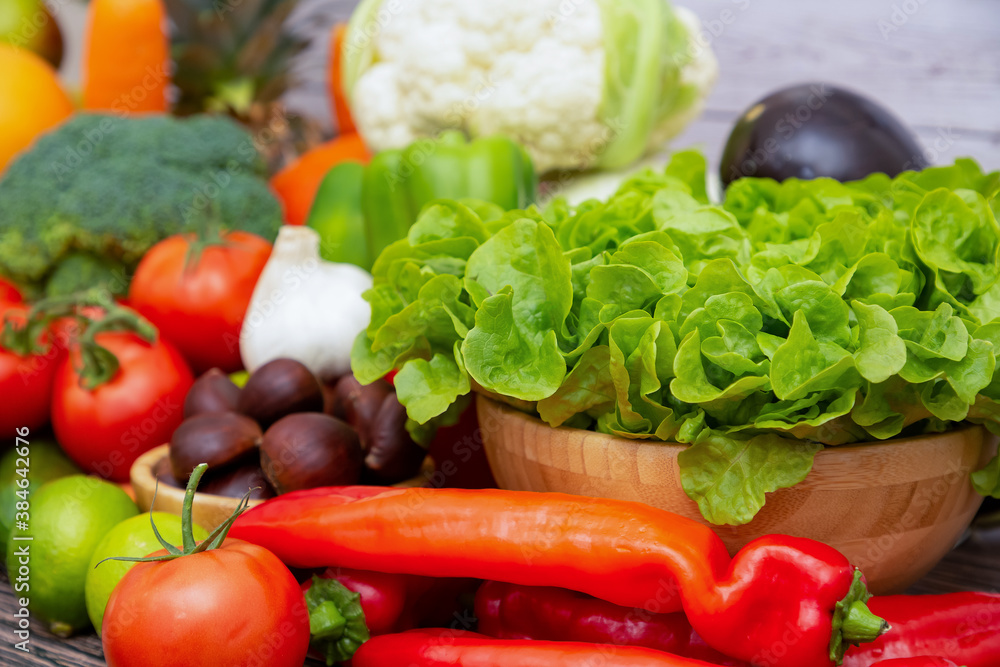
{"x":45,"y":462}
{"x":133,"y":538}
{"x":68,"y":518}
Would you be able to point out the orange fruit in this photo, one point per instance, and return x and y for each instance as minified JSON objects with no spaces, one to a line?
{"x":31,"y":100}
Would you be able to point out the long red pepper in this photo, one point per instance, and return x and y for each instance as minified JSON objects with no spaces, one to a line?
{"x":782,"y":601}
{"x":923,"y":661}
{"x":511,"y":611}
{"x":465,"y":649}
{"x":963,"y":627}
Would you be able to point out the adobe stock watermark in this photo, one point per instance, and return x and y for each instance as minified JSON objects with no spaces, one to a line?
{"x":456,"y":117}
{"x":899,"y":16}
{"x":76,"y":155}
{"x":712,"y":29}
{"x":361,"y":38}
{"x":206,"y":193}
{"x":19,"y":567}
{"x":785,"y":128}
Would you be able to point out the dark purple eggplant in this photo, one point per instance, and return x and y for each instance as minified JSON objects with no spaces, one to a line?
{"x":816,"y":129}
{"x":310,"y":449}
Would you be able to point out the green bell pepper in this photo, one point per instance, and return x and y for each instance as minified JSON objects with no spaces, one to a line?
{"x":336,"y":214}
{"x":397,"y":184}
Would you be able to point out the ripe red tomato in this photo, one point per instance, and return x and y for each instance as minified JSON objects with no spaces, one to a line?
{"x":9,"y":293}
{"x":235,"y":605}
{"x":25,"y":382}
{"x":200,"y":307}
{"x":106,"y":429}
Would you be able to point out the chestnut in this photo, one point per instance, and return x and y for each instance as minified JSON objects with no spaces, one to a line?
{"x":235,"y":482}
{"x":278,"y":388}
{"x":164,"y":474}
{"x":361,"y":403}
{"x":310,"y":449}
{"x":333,"y":402}
{"x":393,"y":455}
{"x":215,"y":438}
{"x":212,"y":392}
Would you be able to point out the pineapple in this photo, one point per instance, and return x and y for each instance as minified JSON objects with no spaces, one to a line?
{"x":234,"y":57}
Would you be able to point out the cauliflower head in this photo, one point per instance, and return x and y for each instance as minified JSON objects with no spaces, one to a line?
{"x":579,"y":83}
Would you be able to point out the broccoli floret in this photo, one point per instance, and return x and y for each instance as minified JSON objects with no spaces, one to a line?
{"x":112,"y":187}
{"x":80,"y":271}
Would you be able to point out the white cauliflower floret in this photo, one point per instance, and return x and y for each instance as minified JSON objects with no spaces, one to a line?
{"x":533,"y":70}
{"x":518,"y":68}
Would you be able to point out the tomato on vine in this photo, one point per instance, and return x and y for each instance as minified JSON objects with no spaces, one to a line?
{"x":215,"y":603}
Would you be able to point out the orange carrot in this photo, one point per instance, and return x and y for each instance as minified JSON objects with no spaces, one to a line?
{"x":126,"y":66}
{"x":338,"y":98}
{"x":298,"y":183}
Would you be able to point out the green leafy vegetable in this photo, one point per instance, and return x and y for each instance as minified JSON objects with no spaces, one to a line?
{"x":728,"y":477}
{"x":796,"y":315}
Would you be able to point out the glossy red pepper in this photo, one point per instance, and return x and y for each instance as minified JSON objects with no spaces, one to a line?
{"x":923,"y":661}
{"x":398,"y":602}
{"x":510,"y":611}
{"x":453,"y":648}
{"x":963,"y":627}
{"x":782,"y":601}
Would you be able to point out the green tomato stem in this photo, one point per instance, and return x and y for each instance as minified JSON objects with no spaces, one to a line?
{"x":187,"y":511}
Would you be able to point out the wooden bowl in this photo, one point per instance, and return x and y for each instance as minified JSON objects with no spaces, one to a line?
{"x":894,"y":508}
{"x":208,"y":510}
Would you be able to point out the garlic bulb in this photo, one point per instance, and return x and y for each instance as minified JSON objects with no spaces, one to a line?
{"x":305,"y":308}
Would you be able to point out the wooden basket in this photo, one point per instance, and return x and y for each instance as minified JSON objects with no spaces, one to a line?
{"x":894,"y":508}
{"x":208,"y":510}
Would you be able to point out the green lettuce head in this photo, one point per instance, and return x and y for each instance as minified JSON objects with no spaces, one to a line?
{"x":792,"y":317}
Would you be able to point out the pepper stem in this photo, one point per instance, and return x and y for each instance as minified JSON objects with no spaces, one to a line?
{"x":853,"y":623}
{"x":326,"y":622}
{"x":337,"y":623}
{"x":861,"y":625}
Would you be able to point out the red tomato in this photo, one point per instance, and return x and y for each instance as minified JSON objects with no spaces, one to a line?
{"x":200,"y":308}
{"x":236,"y":605}
{"x":107,"y":429}
{"x":9,"y":293}
{"x":25,"y":383}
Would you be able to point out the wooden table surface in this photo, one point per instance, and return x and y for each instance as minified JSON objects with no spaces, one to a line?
{"x":935,"y":64}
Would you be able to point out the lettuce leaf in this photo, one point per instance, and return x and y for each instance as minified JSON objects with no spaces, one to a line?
{"x":728,"y":476}
{"x":795,"y":315}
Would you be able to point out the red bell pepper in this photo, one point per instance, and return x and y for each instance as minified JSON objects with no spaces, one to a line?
{"x":782,"y":601}
{"x":454,"y":648}
{"x":923,"y":661}
{"x":963,"y":627}
{"x":509,"y":611}
{"x":399,"y":602}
